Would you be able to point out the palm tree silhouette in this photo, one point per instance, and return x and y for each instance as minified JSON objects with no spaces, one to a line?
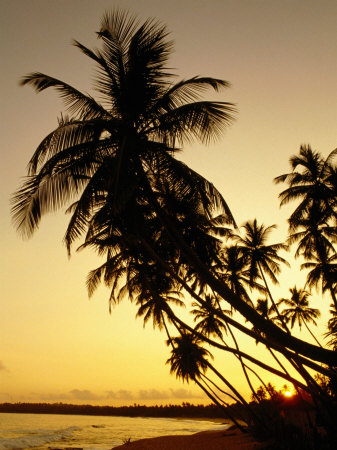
{"x":189,"y":362}
{"x":261,"y":257}
{"x":297,"y":309}
{"x":332,"y":328}
{"x":114,"y":162}
{"x":313,"y":223}
{"x":108,"y":151}
{"x":234,"y":270}
{"x":312,"y":185}
{"x":209,"y":323}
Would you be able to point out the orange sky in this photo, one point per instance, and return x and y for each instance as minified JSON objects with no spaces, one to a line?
{"x":281,"y":58}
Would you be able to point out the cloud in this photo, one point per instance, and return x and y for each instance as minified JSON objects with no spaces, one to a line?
{"x":184,"y":394}
{"x":153,"y":394}
{"x":122,"y":394}
{"x":84,"y":394}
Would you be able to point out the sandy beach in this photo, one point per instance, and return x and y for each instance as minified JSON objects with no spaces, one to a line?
{"x":211,"y":440}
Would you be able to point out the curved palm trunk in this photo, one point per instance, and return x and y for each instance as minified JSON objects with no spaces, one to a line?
{"x":167,"y":331}
{"x":225,"y":410}
{"x":243,"y":366}
{"x":284,"y":339}
{"x":312,"y":334}
{"x":236,"y":393}
{"x":272,"y":300}
{"x":261,"y":364}
{"x":219,"y":389}
{"x":243,"y":329}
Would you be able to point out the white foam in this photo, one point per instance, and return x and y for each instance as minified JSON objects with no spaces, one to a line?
{"x":36,"y":438}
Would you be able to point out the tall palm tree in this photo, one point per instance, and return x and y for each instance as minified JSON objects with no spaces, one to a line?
{"x":95,"y":152}
{"x":189,"y":361}
{"x":311,"y":182}
{"x":262,"y":258}
{"x":209,"y":324}
{"x":297,"y":309}
{"x":313,"y":223}
{"x":114,"y":162}
{"x":234,"y":270}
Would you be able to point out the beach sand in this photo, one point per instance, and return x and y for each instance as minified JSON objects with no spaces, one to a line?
{"x":206,"y":440}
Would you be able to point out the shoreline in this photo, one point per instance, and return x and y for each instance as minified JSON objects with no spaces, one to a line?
{"x":229,"y":439}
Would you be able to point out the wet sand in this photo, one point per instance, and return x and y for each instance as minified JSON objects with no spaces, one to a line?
{"x":206,"y":440}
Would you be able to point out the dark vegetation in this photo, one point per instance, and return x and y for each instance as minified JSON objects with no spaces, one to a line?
{"x":166,"y":234}
{"x":136,"y":410}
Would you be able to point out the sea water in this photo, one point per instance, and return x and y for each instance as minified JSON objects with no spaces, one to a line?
{"x":53,"y":431}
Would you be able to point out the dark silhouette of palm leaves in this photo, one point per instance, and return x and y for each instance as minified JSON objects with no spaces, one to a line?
{"x":261,"y":257}
{"x":313,"y":223}
{"x":311,"y":182}
{"x":95,"y":152}
{"x":235,"y":271}
{"x":188,"y":359}
{"x":297,"y":310}
{"x":208,"y":322}
{"x":332,"y":328}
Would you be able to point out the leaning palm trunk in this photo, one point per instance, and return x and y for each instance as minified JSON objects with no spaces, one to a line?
{"x":227,"y":319}
{"x":272,"y":300}
{"x":268,"y":343}
{"x":302,"y":347}
{"x":312,"y":334}
{"x":220,"y":405}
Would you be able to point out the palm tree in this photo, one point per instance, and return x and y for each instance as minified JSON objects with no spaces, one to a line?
{"x":313,"y":184}
{"x":313,"y":223}
{"x":234,"y":270}
{"x":189,"y":361}
{"x":210,"y":324}
{"x":261,"y":257}
{"x":324,"y":273}
{"x":298,"y":310}
{"x":94,"y":153}
{"x":114,"y":162}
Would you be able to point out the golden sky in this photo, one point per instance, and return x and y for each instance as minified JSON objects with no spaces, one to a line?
{"x":281,"y":58}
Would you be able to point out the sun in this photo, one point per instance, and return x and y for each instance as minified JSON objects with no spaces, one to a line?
{"x":288,"y":394}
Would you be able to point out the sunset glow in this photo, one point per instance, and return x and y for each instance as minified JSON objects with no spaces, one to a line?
{"x":288,"y":394}
{"x":56,"y":345}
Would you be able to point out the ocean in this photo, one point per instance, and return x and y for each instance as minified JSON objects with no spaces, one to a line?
{"x":60,"y":432}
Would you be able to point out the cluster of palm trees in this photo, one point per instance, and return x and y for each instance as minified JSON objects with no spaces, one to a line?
{"x":164,"y":232}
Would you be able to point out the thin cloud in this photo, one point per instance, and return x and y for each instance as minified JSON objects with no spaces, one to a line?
{"x":153,"y":394}
{"x":84,"y":394}
{"x":184,"y":393}
{"x":122,"y":394}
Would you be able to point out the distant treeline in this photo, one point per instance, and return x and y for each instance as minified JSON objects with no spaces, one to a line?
{"x":184,"y":410}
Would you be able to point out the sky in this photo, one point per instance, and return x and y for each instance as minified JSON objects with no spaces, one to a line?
{"x":281,"y":59}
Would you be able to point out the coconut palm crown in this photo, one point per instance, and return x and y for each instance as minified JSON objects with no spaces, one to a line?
{"x":103,"y":151}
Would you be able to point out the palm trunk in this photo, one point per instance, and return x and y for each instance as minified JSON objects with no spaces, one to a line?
{"x":284,"y":339}
{"x":243,"y":367}
{"x":264,"y":366}
{"x":236,"y":393}
{"x":312,"y":334}
{"x":243,"y":329}
{"x":272,"y":300}
{"x":225,"y":410}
